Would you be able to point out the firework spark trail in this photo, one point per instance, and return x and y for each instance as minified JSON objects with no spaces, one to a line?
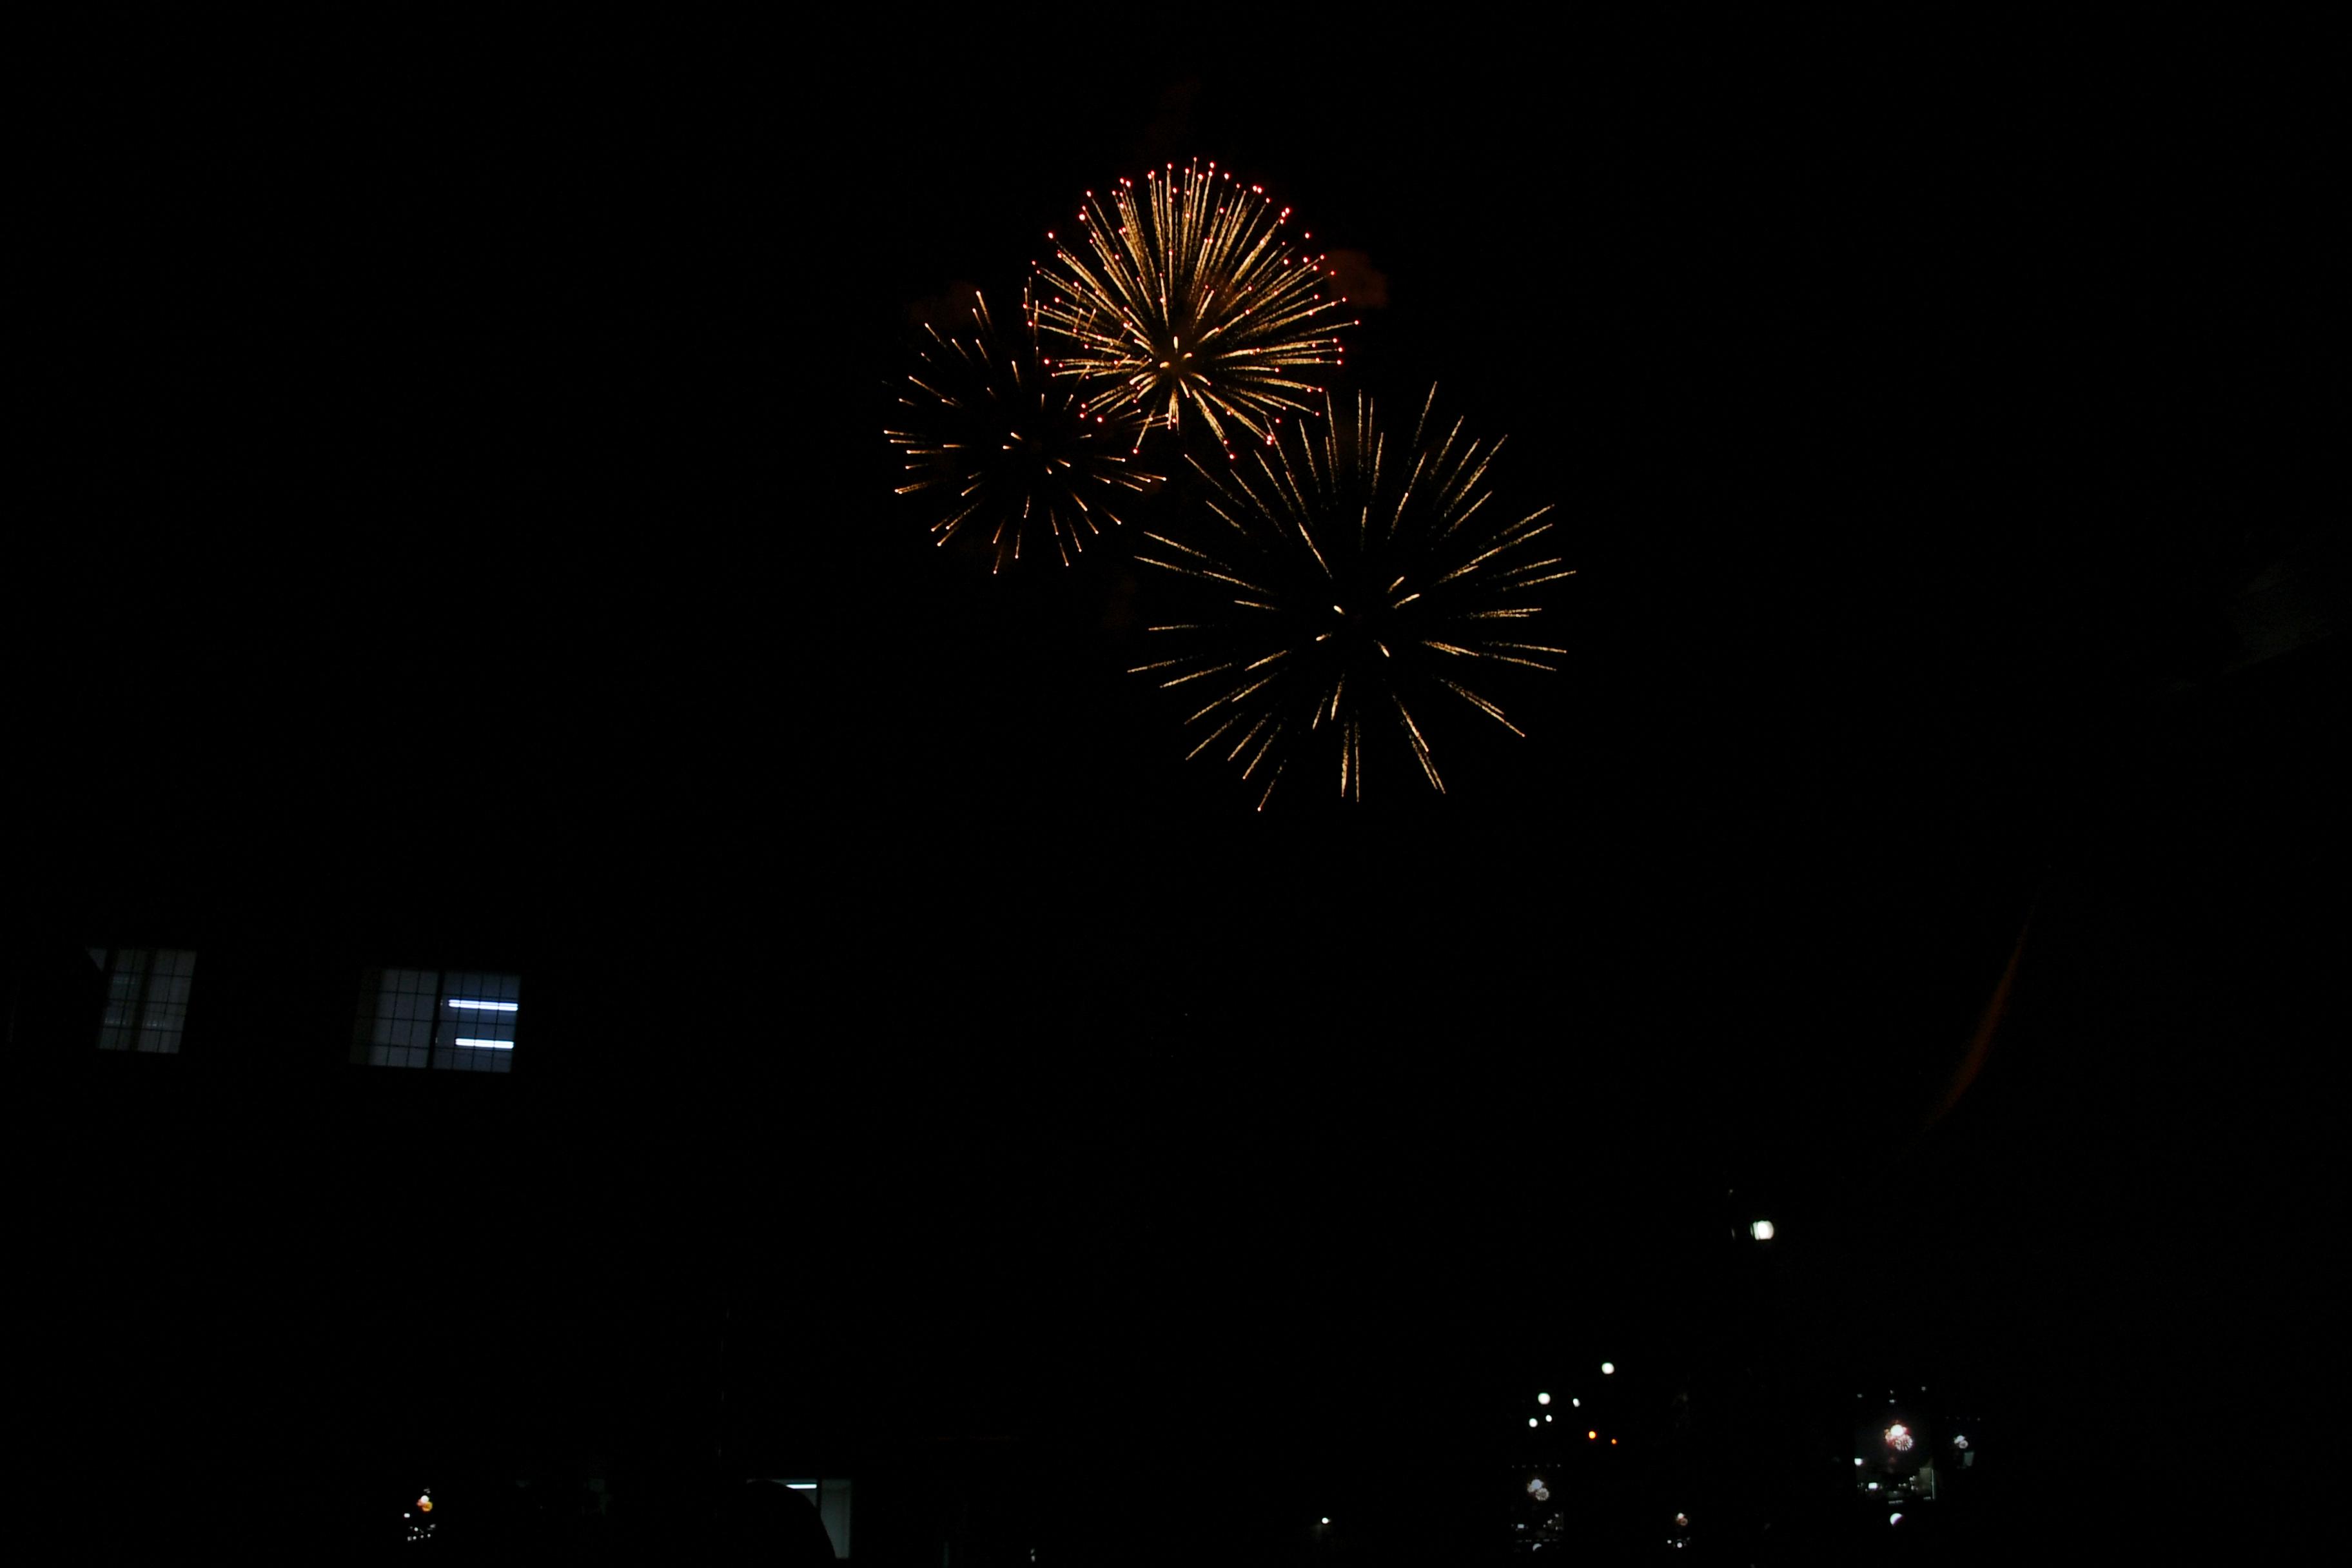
{"x":1368,"y":589}
{"x":1187,"y":297}
{"x":1011,"y":449}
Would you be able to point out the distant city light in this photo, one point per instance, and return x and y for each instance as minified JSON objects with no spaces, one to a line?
{"x":1546,"y":1415}
{"x":1898,"y":1437}
{"x":1857,"y":1462}
{"x":1959,"y":1442}
{"x":1543,"y":1399}
{"x":1682,"y":1522}
{"x":1326,"y":1519}
{"x":1894,"y":1519}
{"x":1533,"y":1422}
{"x":1873,"y":1486}
{"x":1761,"y":1230}
{"x":484,"y":1007}
{"x":1593,"y":1434}
{"x":1577,"y":1403}
{"x":487,"y":1045}
{"x":1608,"y":1368}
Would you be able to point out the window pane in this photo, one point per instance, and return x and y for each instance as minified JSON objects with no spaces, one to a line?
{"x":421,"y":1016}
{"x":147,"y":992}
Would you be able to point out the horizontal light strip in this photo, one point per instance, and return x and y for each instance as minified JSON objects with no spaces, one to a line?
{"x":487,"y":1045}
{"x":801,"y":1486}
{"x":485,"y":1007}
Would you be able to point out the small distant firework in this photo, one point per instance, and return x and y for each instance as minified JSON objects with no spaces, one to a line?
{"x":1186,"y":298}
{"x":1012,"y":452}
{"x":1352,"y":589}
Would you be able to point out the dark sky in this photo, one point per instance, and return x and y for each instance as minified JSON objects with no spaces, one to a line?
{"x":477,"y":449}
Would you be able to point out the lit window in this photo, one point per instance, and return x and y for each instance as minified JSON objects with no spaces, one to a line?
{"x":146,"y":997}
{"x":462,"y":1020}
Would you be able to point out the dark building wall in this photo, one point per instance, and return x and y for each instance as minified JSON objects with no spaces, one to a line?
{"x":253,"y":1257}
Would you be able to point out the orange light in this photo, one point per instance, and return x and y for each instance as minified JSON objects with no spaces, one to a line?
{"x":1612,"y":1442}
{"x":1593,"y":1434}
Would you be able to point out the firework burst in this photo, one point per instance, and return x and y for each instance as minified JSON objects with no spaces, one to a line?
{"x":1348,"y":591}
{"x":1009,"y":450}
{"x":1185,"y":298}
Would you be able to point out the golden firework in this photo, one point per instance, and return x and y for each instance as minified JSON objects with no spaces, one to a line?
{"x":1346,"y":590}
{"x":1009,"y":449}
{"x":1185,"y":296}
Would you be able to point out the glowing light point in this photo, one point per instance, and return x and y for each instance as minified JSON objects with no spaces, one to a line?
{"x":1761,"y":1230}
{"x":1543,"y":1399}
{"x":1608,"y":1368}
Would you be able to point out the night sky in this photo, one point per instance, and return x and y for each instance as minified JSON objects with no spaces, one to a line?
{"x":474,"y":454}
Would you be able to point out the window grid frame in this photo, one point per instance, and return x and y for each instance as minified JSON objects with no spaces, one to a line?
{"x":440,"y":989}
{"x":144,"y":1017}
